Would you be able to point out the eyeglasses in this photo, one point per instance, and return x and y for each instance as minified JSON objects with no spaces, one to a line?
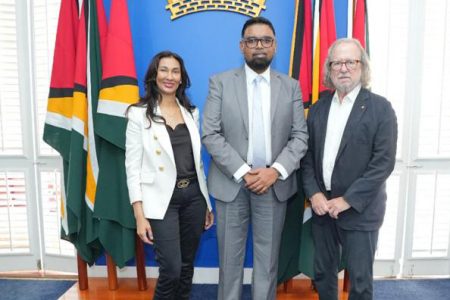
{"x":252,"y":42}
{"x":349,"y":64}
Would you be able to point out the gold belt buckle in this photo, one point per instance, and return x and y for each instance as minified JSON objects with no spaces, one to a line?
{"x":183,"y":183}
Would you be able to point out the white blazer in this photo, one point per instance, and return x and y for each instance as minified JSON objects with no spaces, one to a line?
{"x":150,"y":163}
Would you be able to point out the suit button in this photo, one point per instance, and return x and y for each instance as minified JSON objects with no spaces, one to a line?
{"x":155,"y":137}
{"x":158,"y":152}
{"x":161,"y":168}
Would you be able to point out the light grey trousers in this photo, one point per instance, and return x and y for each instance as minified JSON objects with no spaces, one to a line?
{"x":267,"y":216}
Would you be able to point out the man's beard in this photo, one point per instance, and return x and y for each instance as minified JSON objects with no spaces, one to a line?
{"x":259,"y":64}
{"x":345,"y":89}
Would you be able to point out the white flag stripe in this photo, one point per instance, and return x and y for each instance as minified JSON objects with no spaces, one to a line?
{"x":113,"y":108}
{"x":89,"y":202}
{"x":92,"y":149}
{"x":78,"y":126}
{"x":316,"y":17}
{"x":63,"y":203}
{"x":350,"y":18}
{"x":58,"y":120}
{"x":307,"y":214}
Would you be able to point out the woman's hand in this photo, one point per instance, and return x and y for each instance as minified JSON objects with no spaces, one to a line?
{"x":144,"y":230}
{"x":209,"y":219}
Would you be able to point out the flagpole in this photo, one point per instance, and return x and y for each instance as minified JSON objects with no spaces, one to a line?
{"x":346,"y":286}
{"x":82,"y":274}
{"x":140,"y":265}
{"x":112,"y":273}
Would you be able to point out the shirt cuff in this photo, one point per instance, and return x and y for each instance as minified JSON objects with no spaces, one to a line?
{"x":281,"y":170}
{"x":241,"y":172}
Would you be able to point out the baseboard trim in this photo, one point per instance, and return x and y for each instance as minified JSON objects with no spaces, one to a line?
{"x":201,"y":275}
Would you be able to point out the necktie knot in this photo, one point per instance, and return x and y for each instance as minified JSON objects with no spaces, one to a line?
{"x":257,"y":80}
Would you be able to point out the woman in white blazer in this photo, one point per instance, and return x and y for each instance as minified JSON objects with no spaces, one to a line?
{"x":165,"y":176}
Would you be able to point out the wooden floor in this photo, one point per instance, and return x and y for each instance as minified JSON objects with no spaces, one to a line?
{"x":98,"y":289}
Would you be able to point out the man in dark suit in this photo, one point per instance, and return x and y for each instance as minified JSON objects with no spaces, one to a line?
{"x":351,"y":153}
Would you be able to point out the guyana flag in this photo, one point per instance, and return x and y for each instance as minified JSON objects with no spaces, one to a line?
{"x":58,"y":122}
{"x":360,"y":23}
{"x":301,"y":53}
{"x":324,"y":36}
{"x":119,"y":89}
{"x":296,"y":241}
{"x":84,"y":169}
{"x":69,"y":125}
{"x":315,"y":29}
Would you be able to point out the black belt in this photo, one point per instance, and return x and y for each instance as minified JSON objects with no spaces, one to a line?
{"x":183,"y":183}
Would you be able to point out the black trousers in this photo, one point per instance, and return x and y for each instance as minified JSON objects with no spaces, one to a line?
{"x":176,"y":239}
{"x":358,"y":252}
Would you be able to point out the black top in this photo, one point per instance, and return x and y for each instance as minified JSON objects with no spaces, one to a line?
{"x":182,"y":150}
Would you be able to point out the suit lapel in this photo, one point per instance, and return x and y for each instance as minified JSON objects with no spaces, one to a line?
{"x":162,"y":136}
{"x":323,"y":123}
{"x":275,"y":85}
{"x":240,"y":82}
{"x":359,"y":107}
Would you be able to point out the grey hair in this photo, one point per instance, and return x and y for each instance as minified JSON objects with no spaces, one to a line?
{"x":364,"y":60}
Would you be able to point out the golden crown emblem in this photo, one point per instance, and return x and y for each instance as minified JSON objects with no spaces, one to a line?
{"x":179,"y":8}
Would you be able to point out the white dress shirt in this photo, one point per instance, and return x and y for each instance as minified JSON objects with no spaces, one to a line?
{"x":264,"y":85}
{"x":337,"y":120}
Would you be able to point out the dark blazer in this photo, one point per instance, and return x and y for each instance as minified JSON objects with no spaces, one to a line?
{"x":365,"y":159}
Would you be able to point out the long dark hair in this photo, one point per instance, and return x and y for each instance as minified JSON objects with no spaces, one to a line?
{"x":153,"y":96}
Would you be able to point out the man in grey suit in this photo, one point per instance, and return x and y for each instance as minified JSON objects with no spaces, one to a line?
{"x":351,"y":153}
{"x":255,"y":131}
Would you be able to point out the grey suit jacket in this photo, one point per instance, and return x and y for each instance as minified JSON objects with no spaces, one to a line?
{"x":225,"y":131}
{"x":365,"y":159}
